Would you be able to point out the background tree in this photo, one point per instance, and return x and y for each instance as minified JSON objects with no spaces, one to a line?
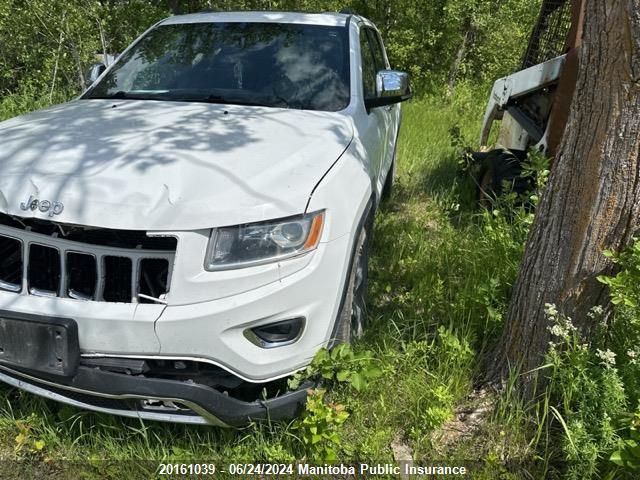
{"x":592,"y":201}
{"x":45,"y":47}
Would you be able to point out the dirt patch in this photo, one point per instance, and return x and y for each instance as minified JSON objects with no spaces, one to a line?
{"x":467,"y":421}
{"x":402,"y":453}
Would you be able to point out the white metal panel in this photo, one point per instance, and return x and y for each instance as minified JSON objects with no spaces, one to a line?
{"x":140,"y":165}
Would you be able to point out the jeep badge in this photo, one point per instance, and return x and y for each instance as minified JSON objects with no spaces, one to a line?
{"x":33,"y":204}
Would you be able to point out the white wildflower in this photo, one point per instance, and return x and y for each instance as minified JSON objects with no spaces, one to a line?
{"x":633,"y":357}
{"x":596,"y":312}
{"x":607,"y":356}
{"x":551,"y":310}
{"x":562,"y":327}
{"x":559,"y":330}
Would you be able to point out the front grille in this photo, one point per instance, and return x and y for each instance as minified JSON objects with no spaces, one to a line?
{"x":117,"y":284}
{"x":43,"y":270}
{"x":82,"y":275}
{"x":45,"y":265}
{"x":10,"y":264}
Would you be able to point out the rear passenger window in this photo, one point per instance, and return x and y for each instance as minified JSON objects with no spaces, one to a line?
{"x":378,"y":51}
{"x":369,"y":69}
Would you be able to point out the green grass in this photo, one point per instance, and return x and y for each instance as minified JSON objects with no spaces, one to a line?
{"x":440,"y":279}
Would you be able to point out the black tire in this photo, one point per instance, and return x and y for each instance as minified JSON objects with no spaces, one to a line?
{"x":353,"y":314}
{"x":500,"y":167}
{"x":388,"y":183}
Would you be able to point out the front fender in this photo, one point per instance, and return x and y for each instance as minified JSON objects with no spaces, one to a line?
{"x":345,"y":192}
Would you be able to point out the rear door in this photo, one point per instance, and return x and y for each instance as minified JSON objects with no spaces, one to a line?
{"x":377,"y":120}
{"x":390,"y":114}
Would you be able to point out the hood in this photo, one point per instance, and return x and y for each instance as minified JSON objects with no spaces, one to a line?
{"x":150,"y":165}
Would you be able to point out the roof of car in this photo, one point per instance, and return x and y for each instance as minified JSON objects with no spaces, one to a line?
{"x":327,"y":19}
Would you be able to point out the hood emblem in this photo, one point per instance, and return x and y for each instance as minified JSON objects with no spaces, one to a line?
{"x":33,"y":204}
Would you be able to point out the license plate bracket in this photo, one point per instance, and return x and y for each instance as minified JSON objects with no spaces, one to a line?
{"x":42,"y":344}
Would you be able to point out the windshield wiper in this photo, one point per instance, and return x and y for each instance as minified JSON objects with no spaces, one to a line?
{"x":167,"y":96}
{"x":122,"y":95}
{"x":231,"y":101}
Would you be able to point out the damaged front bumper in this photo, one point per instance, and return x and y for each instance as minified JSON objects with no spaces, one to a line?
{"x":154,"y":398}
{"x":41,"y":355}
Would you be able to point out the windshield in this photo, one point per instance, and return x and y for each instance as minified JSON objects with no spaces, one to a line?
{"x":270,"y":64}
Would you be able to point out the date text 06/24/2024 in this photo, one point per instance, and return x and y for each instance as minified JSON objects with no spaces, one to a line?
{"x":303,"y":469}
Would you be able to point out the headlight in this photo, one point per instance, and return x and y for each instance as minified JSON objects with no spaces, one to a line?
{"x":264,"y":242}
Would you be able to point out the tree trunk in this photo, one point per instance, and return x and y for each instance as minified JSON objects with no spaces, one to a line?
{"x":457,"y":62}
{"x":592,"y":201}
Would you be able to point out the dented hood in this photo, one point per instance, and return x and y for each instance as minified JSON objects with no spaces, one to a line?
{"x":152,"y":165}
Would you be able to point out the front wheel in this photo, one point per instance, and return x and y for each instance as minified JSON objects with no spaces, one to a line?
{"x":352,"y":318}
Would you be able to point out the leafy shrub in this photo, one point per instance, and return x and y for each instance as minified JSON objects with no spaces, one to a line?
{"x":627,"y":455}
{"x":341,"y":365}
{"x":624,"y":335}
{"x":319,"y":427}
{"x":586,"y":386}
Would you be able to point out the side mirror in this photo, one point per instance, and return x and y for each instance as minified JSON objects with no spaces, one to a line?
{"x":392,"y":87}
{"x":93,"y":73}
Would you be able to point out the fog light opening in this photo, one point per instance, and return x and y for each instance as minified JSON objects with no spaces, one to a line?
{"x":276,"y":334}
{"x":162,"y":405}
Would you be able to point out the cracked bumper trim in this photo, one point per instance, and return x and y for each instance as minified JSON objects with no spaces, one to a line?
{"x":89,"y":387}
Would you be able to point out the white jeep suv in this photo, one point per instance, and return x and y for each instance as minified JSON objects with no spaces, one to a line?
{"x":192,"y":229}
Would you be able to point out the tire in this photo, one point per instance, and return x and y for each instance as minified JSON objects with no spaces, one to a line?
{"x":388,"y":183}
{"x":498,"y":167}
{"x":353,"y":314}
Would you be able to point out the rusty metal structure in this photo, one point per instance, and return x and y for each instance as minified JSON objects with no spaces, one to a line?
{"x":567,"y":82}
{"x":550,"y":34}
{"x":533,"y":103}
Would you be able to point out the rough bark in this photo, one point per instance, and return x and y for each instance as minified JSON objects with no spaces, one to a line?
{"x":592,"y":201}
{"x":460,"y":54}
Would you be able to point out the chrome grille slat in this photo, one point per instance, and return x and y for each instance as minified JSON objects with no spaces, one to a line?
{"x":25,"y":265}
{"x":78,"y":296}
{"x":135,"y":273}
{"x":62,"y":288}
{"x":99,"y":252}
{"x":10,"y":287}
{"x":42,"y":293}
{"x":100,"y":283}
